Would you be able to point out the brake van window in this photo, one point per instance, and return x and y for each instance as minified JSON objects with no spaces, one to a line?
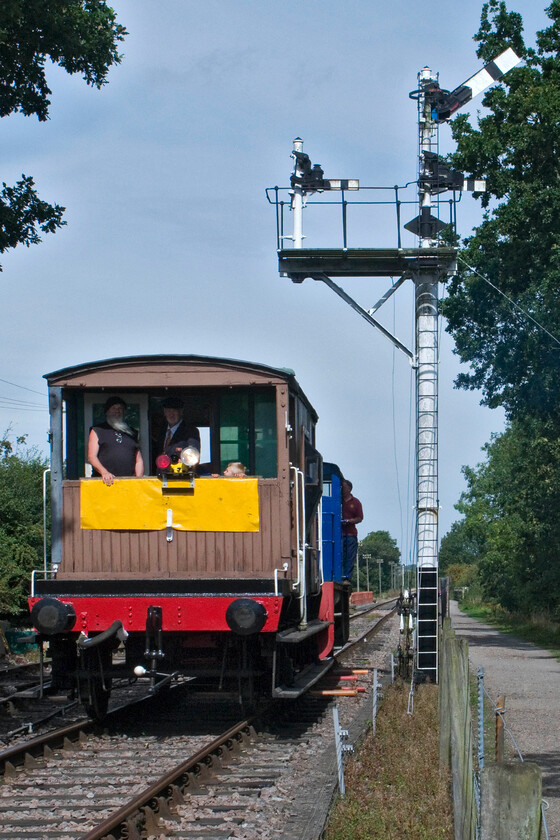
{"x":248,"y":431}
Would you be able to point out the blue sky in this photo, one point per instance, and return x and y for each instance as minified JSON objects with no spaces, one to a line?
{"x":170,"y":244}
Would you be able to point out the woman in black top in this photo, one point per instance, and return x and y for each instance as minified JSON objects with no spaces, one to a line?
{"x":113,"y":448}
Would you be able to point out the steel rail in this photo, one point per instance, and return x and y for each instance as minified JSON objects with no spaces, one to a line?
{"x":132,"y":816}
{"x":371,"y":632}
{"x":153,"y":802}
{"x":21,"y":754}
{"x":169,"y":783}
{"x":374,"y":606}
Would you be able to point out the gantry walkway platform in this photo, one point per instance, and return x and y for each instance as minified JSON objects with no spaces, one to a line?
{"x":299,"y":263}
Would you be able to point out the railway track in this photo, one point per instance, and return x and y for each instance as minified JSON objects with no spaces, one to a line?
{"x":17,"y":678}
{"x":29,"y":707}
{"x":190,"y":771}
{"x":24,"y":705}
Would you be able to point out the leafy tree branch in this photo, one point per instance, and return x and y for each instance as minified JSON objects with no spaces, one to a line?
{"x":516,"y":148}
{"x":81,"y":36}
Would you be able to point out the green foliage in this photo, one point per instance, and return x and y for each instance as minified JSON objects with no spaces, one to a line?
{"x":462,"y":545}
{"x":462,"y":574}
{"x":516,"y":148}
{"x":80,"y":36}
{"x":511,"y":504}
{"x":21,"y":522}
{"x":506,"y":329}
{"x":499,"y":29}
{"x":381,"y":546}
{"x":21,"y":211}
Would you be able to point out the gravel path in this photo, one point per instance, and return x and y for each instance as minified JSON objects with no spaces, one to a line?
{"x":529,"y":677}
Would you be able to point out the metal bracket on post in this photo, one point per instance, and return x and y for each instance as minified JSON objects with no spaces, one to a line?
{"x":480,"y":679}
{"x":377,"y":695}
{"x":339,"y":736}
{"x":364,"y":313}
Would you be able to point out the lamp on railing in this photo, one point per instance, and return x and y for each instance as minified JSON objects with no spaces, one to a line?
{"x":306,"y":179}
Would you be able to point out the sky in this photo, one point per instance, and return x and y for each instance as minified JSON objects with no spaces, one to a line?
{"x":170,"y":244}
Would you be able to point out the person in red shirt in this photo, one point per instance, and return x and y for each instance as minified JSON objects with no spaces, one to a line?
{"x":352,"y":514}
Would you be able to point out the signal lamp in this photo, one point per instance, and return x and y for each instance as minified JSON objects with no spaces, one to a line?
{"x":190,"y":456}
{"x":163,"y":462}
{"x":245,"y":616}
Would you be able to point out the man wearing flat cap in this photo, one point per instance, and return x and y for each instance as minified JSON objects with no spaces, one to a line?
{"x":113,"y":448}
{"x":177,"y":434}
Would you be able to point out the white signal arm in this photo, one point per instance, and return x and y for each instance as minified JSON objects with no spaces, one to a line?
{"x":445,"y":104}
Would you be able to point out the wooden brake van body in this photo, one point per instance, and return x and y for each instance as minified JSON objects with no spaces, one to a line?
{"x":208,"y":577}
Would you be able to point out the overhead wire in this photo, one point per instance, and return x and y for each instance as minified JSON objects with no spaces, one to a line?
{"x":20,"y":402}
{"x":510,"y":300}
{"x":394,"y":413}
{"x":405,"y":521}
{"x":15,"y":407}
{"x":23,"y":387}
{"x":411,"y":481}
{"x":412,"y":459}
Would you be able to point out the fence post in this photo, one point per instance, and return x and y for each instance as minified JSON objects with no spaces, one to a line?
{"x":461,"y":728}
{"x":511,"y":801}
{"x":456,"y":715}
{"x":444,"y":697}
{"x":500,"y":709}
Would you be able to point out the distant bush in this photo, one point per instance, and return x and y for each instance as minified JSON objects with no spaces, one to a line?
{"x":21,"y":521}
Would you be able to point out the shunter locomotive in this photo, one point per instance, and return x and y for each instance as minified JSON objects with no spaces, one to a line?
{"x":195,"y":575}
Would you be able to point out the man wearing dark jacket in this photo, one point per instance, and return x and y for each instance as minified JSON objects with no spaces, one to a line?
{"x":177,"y":434}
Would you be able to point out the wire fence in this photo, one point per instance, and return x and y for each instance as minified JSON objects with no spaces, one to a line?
{"x":498,"y":710}
{"x":491,"y":798}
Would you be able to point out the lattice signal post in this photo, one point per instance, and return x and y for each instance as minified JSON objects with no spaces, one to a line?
{"x":426,"y":265}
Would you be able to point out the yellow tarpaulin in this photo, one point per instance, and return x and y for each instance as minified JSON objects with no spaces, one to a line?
{"x":138,"y":504}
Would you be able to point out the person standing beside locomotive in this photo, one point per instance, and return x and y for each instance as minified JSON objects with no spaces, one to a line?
{"x":113,"y":448}
{"x":352,"y":515}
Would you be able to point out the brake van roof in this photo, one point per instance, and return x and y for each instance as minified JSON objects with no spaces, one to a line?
{"x":171,"y":371}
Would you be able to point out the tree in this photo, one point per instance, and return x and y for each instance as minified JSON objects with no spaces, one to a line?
{"x":21,"y":522}
{"x":462,"y":545}
{"x":510,"y":510}
{"x":516,"y":148}
{"x":380,"y":545}
{"x":461,"y":574}
{"x":460,"y":551}
{"x":79,"y":35}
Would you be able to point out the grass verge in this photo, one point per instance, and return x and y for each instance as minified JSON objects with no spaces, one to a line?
{"x":394,"y":790}
{"x":537,"y":629}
